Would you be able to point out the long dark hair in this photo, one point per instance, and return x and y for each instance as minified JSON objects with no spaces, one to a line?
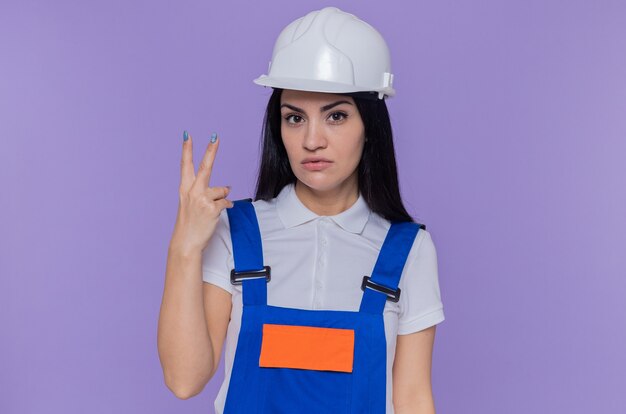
{"x":377,"y":175}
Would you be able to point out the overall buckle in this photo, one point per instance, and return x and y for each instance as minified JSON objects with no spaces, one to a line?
{"x":393,"y":295}
{"x":237,"y":278}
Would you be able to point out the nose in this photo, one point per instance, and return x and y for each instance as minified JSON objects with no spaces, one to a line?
{"x":314,"y":136}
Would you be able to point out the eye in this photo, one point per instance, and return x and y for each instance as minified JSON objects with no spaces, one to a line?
{"x":293,"y":119}
{"x":338,"y":116}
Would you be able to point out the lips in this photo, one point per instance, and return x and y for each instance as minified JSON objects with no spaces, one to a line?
{"x":316,"y":163}
{"x":315,"y":159}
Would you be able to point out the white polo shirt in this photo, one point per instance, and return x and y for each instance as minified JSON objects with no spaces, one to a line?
{"x":318,"y":262}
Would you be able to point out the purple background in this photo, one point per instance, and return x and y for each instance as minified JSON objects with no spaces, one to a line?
{"x":510,"y":126}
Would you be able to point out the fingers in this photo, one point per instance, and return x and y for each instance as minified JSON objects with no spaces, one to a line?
{"x":217,"y":193}
{"x":187,"y":175}
{"x":224,"y":203}
{"x":206,"y":165}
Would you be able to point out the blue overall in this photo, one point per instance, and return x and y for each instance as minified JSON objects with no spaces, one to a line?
{"x":256,"y":389}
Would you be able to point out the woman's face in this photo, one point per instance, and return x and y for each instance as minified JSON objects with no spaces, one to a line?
{"x":322,"y":125}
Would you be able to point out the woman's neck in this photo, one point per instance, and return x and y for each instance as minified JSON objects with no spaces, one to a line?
{"x":330,"y":202}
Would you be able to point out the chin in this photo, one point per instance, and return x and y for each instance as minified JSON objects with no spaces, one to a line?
{"x":320,"y":182}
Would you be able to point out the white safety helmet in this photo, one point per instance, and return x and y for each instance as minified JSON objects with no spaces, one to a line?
{"x":329,"y":50}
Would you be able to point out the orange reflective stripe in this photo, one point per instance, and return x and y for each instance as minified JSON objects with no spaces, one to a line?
{"x":307,"y":347}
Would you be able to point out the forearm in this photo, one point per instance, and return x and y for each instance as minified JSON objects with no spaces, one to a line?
{"x":184,"y":345}
{"x":416,"y":405}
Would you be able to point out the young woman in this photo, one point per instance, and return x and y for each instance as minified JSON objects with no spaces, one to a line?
{"x":323,"y":289}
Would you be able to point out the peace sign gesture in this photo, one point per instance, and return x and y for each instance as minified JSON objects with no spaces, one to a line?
{"x":199,"y":205}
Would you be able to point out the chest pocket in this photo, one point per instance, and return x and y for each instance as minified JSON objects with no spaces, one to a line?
{"x":307,"y":347}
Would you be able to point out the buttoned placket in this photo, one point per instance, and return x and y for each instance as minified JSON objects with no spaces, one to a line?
{"x":321,"y":265}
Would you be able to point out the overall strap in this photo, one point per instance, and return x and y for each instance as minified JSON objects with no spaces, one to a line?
{"x":247,"y":252}
{"x":388,"y":267}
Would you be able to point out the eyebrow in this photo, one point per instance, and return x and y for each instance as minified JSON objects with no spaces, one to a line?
{"x":322,"y":109}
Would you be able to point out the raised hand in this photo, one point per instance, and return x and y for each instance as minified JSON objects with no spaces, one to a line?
{"x":199,"y":205}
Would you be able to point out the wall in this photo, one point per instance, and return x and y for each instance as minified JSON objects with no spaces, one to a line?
{"x":510,"y":133}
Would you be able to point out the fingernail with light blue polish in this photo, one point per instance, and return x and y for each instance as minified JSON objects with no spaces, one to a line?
{"x":185,"y":136}
{"x":213,"y":137}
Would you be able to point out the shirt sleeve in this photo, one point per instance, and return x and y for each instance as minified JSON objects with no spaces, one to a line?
{"x":420,"y":299}
{"x":217,"y":257}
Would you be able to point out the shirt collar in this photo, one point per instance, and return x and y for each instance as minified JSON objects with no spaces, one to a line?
{"x":292,"y":212}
